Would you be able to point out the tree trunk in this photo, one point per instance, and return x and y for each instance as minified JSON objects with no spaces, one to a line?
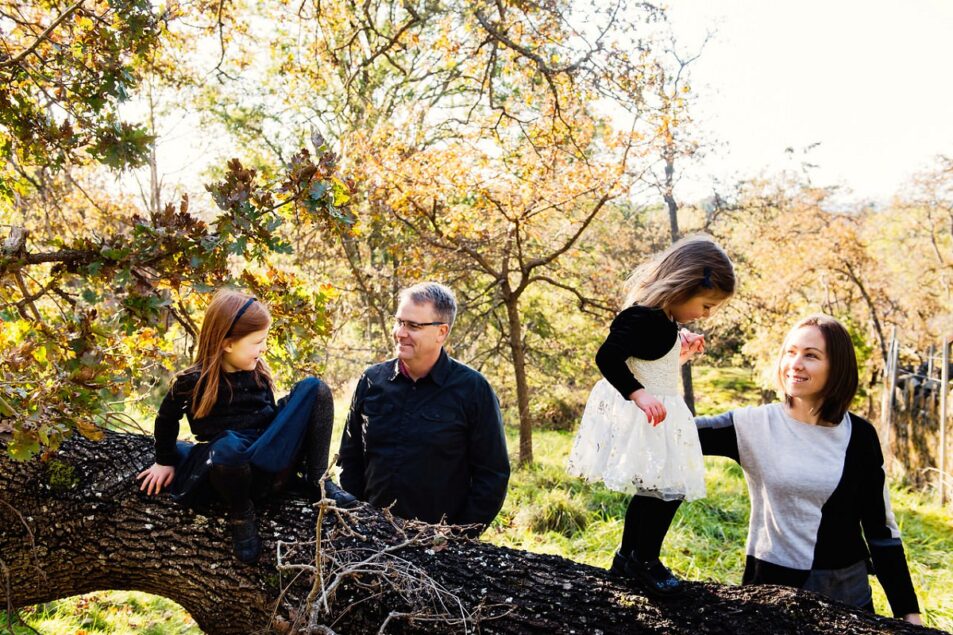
{"x":78,"y":523}
{"x":519,"y":370}
{"x":668,"y":194}
{"x":688,"y":387}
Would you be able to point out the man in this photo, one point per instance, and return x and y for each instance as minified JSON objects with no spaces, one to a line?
{"x":424,"y":431}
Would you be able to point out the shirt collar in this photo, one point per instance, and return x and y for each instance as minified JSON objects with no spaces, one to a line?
{"x":438,"y":373}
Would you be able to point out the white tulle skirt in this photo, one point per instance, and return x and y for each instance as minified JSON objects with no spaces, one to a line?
{"x":618,"y":446}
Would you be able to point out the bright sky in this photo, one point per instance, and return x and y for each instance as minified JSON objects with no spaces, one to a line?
{"x":868,"y":79}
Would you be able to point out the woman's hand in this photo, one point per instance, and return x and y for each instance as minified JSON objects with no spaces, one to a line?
{"x":155,"y":478}
{"x":692,"y":344}
{"x":913,"y":618}
{"x":652,"y":407}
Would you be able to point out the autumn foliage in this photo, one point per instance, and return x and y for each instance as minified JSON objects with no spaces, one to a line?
{"x":503,"y":148}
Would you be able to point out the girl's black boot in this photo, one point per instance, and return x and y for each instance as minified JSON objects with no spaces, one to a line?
{"x":655,"y":578}
{"x":233,"y":485}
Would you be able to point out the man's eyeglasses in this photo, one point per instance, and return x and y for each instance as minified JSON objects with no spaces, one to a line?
{"x":413,"y":326}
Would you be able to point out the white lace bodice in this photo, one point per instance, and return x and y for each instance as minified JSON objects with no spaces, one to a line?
{"x":617,"y":446}
{"x":659,"y":376}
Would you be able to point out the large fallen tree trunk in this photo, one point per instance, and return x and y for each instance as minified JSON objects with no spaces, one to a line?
{"x":78,"y":523}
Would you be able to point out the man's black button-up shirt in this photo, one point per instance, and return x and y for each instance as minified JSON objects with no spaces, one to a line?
{"x":435,"y":446}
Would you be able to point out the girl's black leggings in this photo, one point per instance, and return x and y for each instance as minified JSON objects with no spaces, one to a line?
{"x":646,"y":522}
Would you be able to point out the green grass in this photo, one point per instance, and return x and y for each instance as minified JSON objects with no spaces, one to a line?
{"x":547,"y":511}
{"x":718,"y":390}
{"x":927,"y":531}
{"x":125,"y":612}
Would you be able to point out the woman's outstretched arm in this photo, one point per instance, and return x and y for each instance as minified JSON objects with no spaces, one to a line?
{"x":717,"y":435}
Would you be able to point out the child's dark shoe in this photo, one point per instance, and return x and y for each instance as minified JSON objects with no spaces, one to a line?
{"x":618,"y":565}
{"x":654,"y":578}
{"x":341,"y":498}
{"x":245,"y":539}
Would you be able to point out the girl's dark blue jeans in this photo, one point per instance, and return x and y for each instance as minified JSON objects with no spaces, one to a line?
{"x":270,"y":450}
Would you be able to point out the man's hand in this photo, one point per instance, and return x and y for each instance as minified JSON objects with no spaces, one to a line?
{"x":652,"y":407}
{"x":155,"y":478}
{"x":692,"y":344}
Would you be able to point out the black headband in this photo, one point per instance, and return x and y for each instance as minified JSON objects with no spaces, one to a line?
{"x":239,"y":315}
{"x":706,"y":278}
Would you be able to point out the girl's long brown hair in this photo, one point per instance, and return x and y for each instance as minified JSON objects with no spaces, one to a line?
{"x":214,"y":336}
{"x":688,"y":267}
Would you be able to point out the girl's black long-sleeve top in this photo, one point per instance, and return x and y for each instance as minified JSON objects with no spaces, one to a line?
{"x":244,"y":401}
{"x":637,"y":331}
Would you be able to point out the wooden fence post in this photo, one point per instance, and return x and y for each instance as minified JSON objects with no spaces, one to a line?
{"x":891,"y":380}
{"x":944,"y":412}
{"x":885,"y":395}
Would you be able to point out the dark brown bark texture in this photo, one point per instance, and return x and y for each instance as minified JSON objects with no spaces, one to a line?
{"x":77,"y":523}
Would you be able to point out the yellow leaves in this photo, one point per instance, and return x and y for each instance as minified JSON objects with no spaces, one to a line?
{"x":39,"y":354}
{"x":147,"y":337}
{"x":341,"y":192}
{"x":288,"y":63}
{"x":89,"y":429}
{"x":11,"y":333}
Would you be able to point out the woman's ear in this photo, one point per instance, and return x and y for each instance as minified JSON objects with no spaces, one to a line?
{"x":227,"y":346}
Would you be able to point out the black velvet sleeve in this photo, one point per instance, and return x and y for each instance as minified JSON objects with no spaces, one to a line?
{"x":636,"y":332}
{"x":717,"y":435}
{"x":173,"y":406}
{"x":880,"y":529}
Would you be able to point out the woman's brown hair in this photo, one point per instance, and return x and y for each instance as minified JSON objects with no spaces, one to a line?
{"x":841,"y":386}
{"x":230,"y":316}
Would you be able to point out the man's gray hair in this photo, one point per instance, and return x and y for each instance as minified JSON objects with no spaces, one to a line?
{"x":440,"y":296}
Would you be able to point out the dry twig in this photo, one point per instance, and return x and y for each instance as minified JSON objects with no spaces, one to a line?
{"x":380,"y":570}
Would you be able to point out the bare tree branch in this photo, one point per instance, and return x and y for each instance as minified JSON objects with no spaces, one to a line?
{"x":584,"y":301}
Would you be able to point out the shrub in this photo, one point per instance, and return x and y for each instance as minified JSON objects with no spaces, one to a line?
{"x":560,"y":409}
{"x":556,"y":511}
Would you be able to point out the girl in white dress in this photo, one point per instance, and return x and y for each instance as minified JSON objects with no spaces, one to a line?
{"x":637,"y":435}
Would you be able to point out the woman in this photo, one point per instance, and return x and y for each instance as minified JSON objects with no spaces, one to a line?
{"x":815,"y":477}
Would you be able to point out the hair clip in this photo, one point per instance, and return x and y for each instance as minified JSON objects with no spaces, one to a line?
{"x":706,"y":278}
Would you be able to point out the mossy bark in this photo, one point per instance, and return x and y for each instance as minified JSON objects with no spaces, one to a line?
{"x":102,"y":533}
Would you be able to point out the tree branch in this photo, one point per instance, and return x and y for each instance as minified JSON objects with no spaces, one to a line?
{"x":583,"y":300}
{"x":525,"y":52}
{"x":13,"y":61}
{"x":545,"y":260}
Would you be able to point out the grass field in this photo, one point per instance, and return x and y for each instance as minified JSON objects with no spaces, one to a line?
{"x":547,"y":511}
